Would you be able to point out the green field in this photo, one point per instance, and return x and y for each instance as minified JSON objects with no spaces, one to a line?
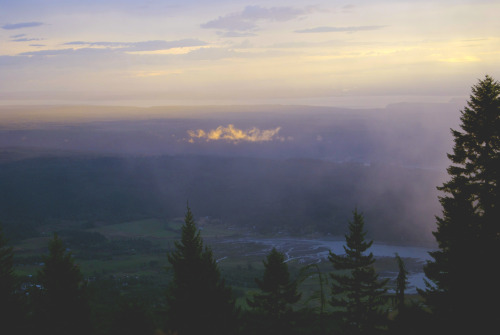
{"x":134,"y":256}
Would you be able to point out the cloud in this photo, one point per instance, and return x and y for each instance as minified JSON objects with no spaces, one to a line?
{"x":59,"y":52}
{"x":24,"y":39}
{"x":246,"y":19}
{"x":464,"y":59}
{"x":12,"y":26}
{"x":99,"y":44}
{"x":230,"y":22}
{"x":143,"y":46}
{"x":165,"y":45}
{"x":18,"y":36}
{"x":348,"y":8}
{"x":272,"y":14}
{"x":98,"y":48}
{"x":235,"y":34}
{"x":352,"y":29}
{"x":232,"y":134}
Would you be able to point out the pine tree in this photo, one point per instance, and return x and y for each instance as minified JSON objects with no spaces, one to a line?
{"x":198,"y":300}
{"x":61,"y":303}
{"x":357,"y":294}
{"x":463,"y":289}
{"x":401,"y":283}
{"x":132,"y":318}
{"x":278,"y":294}
{"x":10,"y":303}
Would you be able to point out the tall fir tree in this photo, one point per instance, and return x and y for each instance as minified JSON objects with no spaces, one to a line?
{"x":357,"y":293}
{"x":278,"y":294}
{"x":463,"y":290}
{"x":61,"y":303}
{"x":11,"y":313}
{"x":410,"y":318}
{"x":401,"y":283}
{"x":198,"y":300}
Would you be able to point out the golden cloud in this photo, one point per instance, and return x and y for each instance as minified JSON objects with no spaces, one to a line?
{"x":233,"y":134}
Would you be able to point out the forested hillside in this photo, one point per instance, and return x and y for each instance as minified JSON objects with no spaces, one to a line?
{"x":296,"y":196}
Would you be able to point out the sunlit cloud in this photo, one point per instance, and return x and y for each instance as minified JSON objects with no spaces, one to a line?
{"x":97,"y":44}
{"x":235,"y":34}
{"x":233,"y":134}
{"x":144,"y":46}
{"x":339,"y":29}
{"x":145,"y":74}
{"x":170,"y":51}
{"x":466,"y":59}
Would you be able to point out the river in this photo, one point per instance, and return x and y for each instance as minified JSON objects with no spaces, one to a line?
{"x":309,"y":251}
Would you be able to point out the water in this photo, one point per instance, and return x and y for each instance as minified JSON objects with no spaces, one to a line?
{"x":309,"y":251}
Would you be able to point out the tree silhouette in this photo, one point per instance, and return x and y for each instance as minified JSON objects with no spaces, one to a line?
{"x":463,"y":290}
{"x":61,"y":302}
{"x":132,"y":319}
{"x":401,"y":283}
{"x":277,"y":295}
{"x":11,"y":314}
{"x":198,"y":300}
{"x":357,"y":294}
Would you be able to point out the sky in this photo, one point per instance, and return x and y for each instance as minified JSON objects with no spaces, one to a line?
{"x":365,"y":53}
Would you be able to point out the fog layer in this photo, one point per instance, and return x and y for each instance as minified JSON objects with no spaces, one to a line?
{"x":288,"y":169}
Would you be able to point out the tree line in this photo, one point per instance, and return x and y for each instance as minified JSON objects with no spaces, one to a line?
{"x":198,"y":300}
{"x":461,"y":293}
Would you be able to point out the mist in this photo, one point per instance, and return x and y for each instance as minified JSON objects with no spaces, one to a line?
{"x":271,"y":169}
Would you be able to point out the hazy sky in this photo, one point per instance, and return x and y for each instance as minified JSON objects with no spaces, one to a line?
{"x":234,"y":51}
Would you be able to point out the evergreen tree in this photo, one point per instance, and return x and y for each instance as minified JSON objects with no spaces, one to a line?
{"x":411,"y":318}
{"x":10,"y":303}
{"x":61,"y":303}
{"x":132,"y":319}
{"x":357,"y":294}
{"x":463,"y":289}
{"x":278,"y":293}
{"x":198,"y":300}
{"x":401,"y":283}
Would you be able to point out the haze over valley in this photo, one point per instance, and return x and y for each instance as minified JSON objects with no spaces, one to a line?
{"x":295,"y":170}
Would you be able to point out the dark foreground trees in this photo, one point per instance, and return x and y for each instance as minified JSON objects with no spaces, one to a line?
{"x":11,"y":313}
{"x":278,"y":294}
{"x":357,"y":294}
{"x":463,"y":290}
{"x":401,"y":283}
{"x":131,"y":318}
{"x":198,"y":300}
{"x":61,"y":305}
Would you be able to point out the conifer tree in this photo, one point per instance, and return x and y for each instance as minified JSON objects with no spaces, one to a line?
{"x":463,"y":289}
{"x":10,"y":304}
{"x":278,"y":294}
{"x":61,"y":303}
{"x":357,"y":294}
{"x":401,"y":283}
{"x":198,"y":300}
{"x":132,"y":318}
